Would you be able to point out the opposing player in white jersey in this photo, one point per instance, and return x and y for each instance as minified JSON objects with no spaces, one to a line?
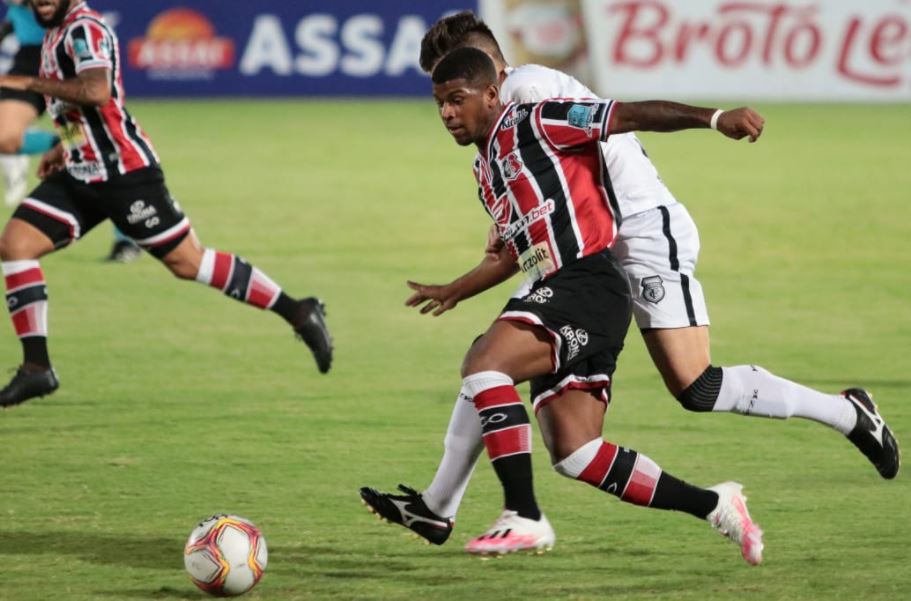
{"x":658,"y":246}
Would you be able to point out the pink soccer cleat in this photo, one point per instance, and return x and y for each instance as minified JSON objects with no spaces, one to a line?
{"x":732,"y":519}
{"x":512,"y":533}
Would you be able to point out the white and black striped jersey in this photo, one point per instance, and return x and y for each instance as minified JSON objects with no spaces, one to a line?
{"x":634,"y":183}
{"x":541,"y":179}
{"x":99,"y":141}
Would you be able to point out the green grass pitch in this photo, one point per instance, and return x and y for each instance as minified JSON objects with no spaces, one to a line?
{"x":177,"y":403}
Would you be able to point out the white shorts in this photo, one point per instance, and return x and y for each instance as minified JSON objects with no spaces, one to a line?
{"x":658,"y":249}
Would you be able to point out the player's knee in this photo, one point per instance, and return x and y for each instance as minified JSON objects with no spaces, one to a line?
{"x":703,"y":392}
{"x":10,"y":143}
{"x":15,"y":248}
{"x":181,"y":268}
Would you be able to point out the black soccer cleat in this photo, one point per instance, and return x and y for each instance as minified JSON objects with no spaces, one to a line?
{"x":310,"y":326}
{"x":123,"y":251}
{"x":871,"y":435}
{"x":27,"y":384}
{"x":410,"y":511}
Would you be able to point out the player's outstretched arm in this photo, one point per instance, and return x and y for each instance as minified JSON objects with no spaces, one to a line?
{"x":92,"y":87}
{"x":666,"y":116}
{"x":493,"y":269}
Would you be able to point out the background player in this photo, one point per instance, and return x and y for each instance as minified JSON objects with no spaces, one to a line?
{"x":658,"y":245}
{"x":19,"y":108}
{"x":80,"y":76}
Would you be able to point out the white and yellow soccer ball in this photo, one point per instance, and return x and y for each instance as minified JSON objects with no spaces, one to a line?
{"x":225,"y":555}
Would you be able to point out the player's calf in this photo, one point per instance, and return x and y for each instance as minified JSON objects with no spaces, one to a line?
{"x":241,"y":281}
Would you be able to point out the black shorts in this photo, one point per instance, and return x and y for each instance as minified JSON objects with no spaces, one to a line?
{"x":585,"y":308}
{"x":138,"y":203}
{"x":26,"y":62}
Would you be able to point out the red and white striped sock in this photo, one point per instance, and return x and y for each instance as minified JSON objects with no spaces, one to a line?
{"x":622,"y":472}
{"x":635,"y":478}
{"x":506,"y":433}
{"x":26,"y":299}
{"x":238,"y":279}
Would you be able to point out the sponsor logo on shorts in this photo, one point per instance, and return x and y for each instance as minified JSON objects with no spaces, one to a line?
{"x":141,"y":212}
{"x":514,"y":119}
{"x":540,"y":296}
{"x":575,"y":340}
{"x":653,"y":289}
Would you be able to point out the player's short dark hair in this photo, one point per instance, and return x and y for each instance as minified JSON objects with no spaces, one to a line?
{"x":467,"y":63}
{"x":457,"y":31}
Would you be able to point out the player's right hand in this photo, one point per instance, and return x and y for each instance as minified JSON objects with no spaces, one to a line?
{"x":438,"y":299}
{"x":494,"y":242}
{"x":51,"y":162}
{"x":741,"y":123}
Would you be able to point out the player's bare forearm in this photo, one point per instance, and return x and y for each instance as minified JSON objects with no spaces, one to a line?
{"x":658,"y":115}
{"x":90,"y":88}
{"x":491,"y":271}
{"x":437,"y":299}
{"x":666,"y":116}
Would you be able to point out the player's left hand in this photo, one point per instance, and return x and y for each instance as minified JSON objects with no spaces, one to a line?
{"x":438,"y":299}
{"x":15,"y":82}
{"x":741,"y":123}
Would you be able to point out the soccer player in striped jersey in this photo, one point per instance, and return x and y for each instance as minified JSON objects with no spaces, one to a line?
{"x":106,"y":168}
{"x":658,"y":244}
{"x":541,"y":179}
{"x":18,"y":108}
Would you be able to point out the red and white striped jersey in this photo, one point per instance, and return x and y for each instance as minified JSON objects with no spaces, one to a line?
{"x":541,"y":177}
{"x":99,"y":141}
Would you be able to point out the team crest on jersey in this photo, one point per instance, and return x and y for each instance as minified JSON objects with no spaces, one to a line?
{"x":581,"y":116}
{"x":514,"y":119}
{"x":653,"y":289}
{"x":512,"y":165}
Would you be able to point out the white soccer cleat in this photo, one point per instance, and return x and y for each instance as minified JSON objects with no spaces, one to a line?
{"x":732,"y":519}
{"x":512,"y":533}
{"x":15,"y":176}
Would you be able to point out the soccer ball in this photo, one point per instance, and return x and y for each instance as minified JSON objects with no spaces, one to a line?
{"x":225,"y":555}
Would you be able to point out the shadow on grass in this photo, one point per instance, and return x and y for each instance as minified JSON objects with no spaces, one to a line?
{"x":136,"y":552}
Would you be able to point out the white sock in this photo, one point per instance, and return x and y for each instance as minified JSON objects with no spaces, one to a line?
{"x":461,"y":448}
{"x":751,"y":390}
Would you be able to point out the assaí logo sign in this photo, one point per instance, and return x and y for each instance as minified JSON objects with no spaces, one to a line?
{"x":181,"y":44}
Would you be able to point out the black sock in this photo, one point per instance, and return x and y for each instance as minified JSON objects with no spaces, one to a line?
{"x":34,"y":351}
{"x":286,"y":307}
{"x":671,"y":493}
{"x":515,"y":474}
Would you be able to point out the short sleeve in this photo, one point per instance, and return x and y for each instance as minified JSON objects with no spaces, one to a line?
{"x":90,"y":46}
{"x":574,"y":123}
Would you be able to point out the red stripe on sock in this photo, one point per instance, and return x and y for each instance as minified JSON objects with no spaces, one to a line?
{"x":221,"y":270}
{"x":498,"y":395}
{"x":25,"y":321}
{"x":29,"y":277}
{"x":262,"y":291}
{"x":508,"y":442}
{"x":596,"y":471}
{"x":641,"y":486}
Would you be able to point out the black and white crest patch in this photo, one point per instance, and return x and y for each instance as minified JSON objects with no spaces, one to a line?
{"x":653,"y":289}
